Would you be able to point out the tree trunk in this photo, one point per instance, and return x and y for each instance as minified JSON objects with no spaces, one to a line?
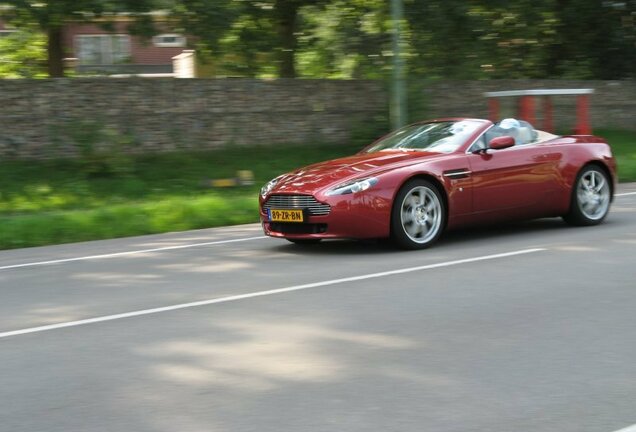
{"x":55,"y":53}
{"x":286,"y":14}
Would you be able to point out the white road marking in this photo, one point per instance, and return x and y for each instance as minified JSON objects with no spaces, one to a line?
{"x":133,"y":252}
{"x":625,"y":194}
{"x":631,"y":428}
{"x":263,"y":293}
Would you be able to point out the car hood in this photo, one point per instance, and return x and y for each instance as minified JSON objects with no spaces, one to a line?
{"x":311,"y":178}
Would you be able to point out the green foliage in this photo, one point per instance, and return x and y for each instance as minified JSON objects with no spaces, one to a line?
{"x":54,"y":13}
{"x":23,"y":54}
{"x":624,"y":148}
{"x":45,"y":202}
{"x":345,"y":39}
{"x":126,"y":220}
{"x":103,"y":151}
{"x":253,"y":38}
{"x":351,"y":38}
{"x":50,"y":16}
{"x":515,"y":40}
{"x":443,"y":38}
{"x":597,"y":39}
{"x":248,"y":47}
{"x":523,"y":39}
{"x":366,"y":131}
{"x":462,"y":40}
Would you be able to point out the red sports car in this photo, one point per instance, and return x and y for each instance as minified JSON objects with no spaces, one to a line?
{"x":420,"y":180}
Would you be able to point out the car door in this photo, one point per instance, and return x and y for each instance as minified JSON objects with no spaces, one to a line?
{"x":517,"y":180}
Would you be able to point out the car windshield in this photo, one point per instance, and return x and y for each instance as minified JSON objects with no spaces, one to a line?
{"x":442,"y":137}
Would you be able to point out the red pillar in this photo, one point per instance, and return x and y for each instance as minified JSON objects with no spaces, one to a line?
{"x":493,"y":108}
{"x":526,"y":109}
{"x":582,"y":116}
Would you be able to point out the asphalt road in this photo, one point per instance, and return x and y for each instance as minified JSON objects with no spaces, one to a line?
{"x":526,"y":327}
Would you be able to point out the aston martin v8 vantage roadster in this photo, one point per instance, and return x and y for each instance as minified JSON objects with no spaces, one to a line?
{"x":418,"y":181}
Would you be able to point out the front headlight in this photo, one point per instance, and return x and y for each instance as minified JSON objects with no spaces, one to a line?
{"x":353,"y":186}
{"x":269,"y":186}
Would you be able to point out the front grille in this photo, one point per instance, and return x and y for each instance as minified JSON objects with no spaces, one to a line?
{"x":297,"y":228}
{"x":308,"y":202}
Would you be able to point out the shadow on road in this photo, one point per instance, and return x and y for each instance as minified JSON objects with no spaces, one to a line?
{"x":455,"y":237}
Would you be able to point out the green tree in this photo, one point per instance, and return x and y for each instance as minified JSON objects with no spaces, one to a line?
{"x":513,"y":39}
{"x":248,"y":36}
{"x":231,"y":34}
{"x":50,"y":17}
{"x":345,"y":39}
{"x":596,"y":39}
{"x":286,"y":23}
{"x":462,"y":39}
{"x":480,"y":39}
{"x":23,"y":54}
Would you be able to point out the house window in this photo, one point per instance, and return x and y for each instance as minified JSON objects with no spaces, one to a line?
{"x":169,"y":40}
{"x":103,"y":49}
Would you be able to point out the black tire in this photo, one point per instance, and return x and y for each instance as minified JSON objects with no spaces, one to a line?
{"x":590,"y":197}
{"x":304,"y":242}
{"x":418,"y":216}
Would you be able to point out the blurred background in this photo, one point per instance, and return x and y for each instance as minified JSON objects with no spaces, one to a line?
{"x":343,"y":39}
{"x":101,"y":137}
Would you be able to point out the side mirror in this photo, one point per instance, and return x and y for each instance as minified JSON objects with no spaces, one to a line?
{"x":501,"y":142}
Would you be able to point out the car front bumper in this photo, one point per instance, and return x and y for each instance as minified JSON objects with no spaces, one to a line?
{"x":359,"y":216}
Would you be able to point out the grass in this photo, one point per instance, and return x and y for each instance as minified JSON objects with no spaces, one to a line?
{"x":52,"y":202}
{"x":624,"y":147}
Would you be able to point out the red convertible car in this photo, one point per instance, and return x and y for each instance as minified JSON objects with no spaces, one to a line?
{"x":420,"y":180}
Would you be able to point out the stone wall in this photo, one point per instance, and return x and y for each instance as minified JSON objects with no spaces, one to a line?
{"x":54,"y":118}
{"x":613,"y":104}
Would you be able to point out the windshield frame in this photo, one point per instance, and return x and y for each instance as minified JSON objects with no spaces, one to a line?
{"x":458,"y":142}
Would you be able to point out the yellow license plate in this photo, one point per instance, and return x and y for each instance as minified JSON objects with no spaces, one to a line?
{"x":276,"y":215}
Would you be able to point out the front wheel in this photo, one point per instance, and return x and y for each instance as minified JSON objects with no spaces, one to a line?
{"x":591,"y":196}
{"x":418,"y":216}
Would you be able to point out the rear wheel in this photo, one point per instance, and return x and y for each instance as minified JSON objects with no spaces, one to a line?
{"x":591,"y":197}
{"x":418,"y":216}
